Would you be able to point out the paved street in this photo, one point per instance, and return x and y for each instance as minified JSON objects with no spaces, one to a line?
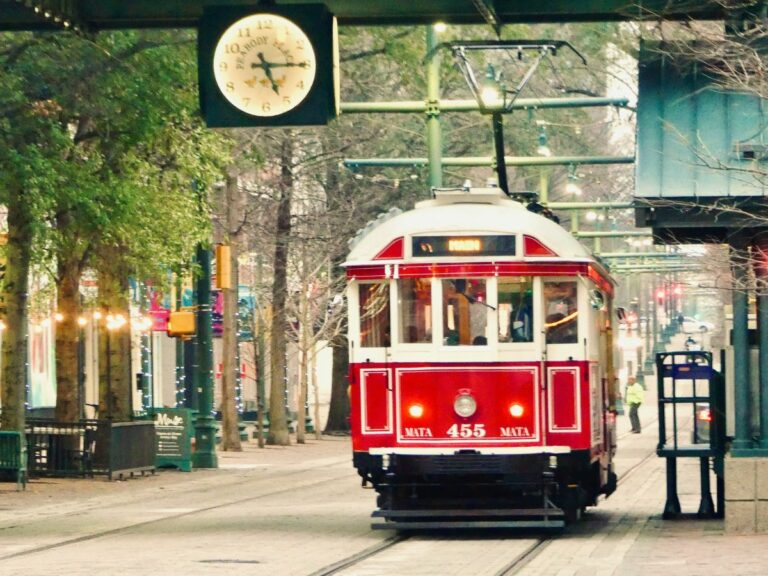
{"x":296,"y":510}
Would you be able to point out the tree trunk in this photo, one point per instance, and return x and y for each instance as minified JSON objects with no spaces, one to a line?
{"x":230,"y":432}
{"x":15,"y":291}
{"x":305,"y":337}
{"x":68,"y":400}
{"x":315,"y":393}
{"x":278,"y":425}
{"x":338,"y":412}
{"x":115,"y":382}
{"x":338,"y":409}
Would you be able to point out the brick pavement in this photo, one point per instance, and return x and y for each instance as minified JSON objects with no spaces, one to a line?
{"x":623,"y":536}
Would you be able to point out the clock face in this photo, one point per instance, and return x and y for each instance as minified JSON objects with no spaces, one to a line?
{"x":264,"y":65}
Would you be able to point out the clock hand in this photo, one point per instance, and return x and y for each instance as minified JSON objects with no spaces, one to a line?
{"x":267,"y":67}
{"x":295,"y":64}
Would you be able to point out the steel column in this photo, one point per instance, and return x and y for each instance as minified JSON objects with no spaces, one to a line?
{"x":762,"y":331}
{"x":742,"y":440}
{"x":434,"y":133}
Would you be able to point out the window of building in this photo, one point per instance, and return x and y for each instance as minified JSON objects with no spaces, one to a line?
{"x":561,"y":312}
{"x":515,"y":309}
{"x":374,"y":315}
{"x":465,"y":314}
{"x":415,"y":310}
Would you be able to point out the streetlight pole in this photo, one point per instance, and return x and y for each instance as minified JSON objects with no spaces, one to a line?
{"x":205,"y":425}
{"x":434,"y":132}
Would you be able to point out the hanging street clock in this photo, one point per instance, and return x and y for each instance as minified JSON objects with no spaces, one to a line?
{"x":272,"y":67}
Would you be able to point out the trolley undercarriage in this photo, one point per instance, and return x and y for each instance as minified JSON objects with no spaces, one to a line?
{"x":469,"y":489}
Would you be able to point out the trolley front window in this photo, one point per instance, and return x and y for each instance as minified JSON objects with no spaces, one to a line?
{"x":374,"y":315}
{"x":465,"y":314}
{"x":561,"y":319}
{"x":415,"y":310}
{"x":432,"y":246}
{"x":516,"y":309}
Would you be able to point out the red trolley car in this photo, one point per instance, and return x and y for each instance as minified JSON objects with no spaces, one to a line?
{"x":481,"y":365}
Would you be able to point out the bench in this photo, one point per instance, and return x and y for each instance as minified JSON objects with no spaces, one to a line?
{"x":13,"y":456}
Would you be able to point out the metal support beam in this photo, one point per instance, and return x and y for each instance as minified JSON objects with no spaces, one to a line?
{"x":417,"y":106}
{"x":489,"y":161}
{"x":643,"y":255}
{"x":589,"y":205}
{"x":649,"y":268}
{"x":611,"y":233}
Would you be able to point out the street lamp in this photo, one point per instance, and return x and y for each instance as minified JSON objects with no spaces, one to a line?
{"x":543,"y":148}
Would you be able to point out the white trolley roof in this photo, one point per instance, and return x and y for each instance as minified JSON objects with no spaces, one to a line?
{"x":465,"y":212}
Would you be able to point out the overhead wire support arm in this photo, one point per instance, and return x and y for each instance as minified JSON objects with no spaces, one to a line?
{"x":460,"y":48}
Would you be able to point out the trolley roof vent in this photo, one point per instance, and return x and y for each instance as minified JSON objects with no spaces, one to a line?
{"x":467,"y":195}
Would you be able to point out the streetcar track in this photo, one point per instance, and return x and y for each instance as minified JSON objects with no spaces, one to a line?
{"x":132,"y":526}
{"x":369,"y":552}
{"x":523,"y":559}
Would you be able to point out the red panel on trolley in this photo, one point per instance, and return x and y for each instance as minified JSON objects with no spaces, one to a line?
{"x":532,"y":247}
{"x":564,"y":400}
{"x":495,"y":391}
{"x":393,"y":251}
{"x":375,"y":396}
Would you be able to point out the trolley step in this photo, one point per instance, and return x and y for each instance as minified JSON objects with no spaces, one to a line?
{"x":433,"y":519}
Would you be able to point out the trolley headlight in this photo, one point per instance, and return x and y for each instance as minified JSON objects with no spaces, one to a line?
{"x":416,"y":410}
{"x":516,"y":410}
{"x":465,"y":405}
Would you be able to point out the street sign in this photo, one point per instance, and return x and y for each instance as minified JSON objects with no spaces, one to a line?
{"x":173,"y":438}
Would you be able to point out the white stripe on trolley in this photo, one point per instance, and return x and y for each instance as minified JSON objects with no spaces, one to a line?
{"x":490,"y":450}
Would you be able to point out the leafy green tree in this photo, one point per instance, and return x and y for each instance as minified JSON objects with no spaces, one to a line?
{"x":117,"y":133}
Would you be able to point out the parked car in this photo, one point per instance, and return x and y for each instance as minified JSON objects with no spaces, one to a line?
{"x":692,"y":325}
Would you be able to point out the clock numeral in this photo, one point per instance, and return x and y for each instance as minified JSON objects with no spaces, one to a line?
{"x":265,"y":107}
{"x":286,"y":100}
{"x":306,"y":64}
{"x":265,"y":25}
{"x":232,"y":48}
{"x":300,"y":44}
{"x":230,"y":86}
{"x":247,"y":101}
{"x":244,"y":33}
{"x":223,"y":66}
{"x":300,"y":85}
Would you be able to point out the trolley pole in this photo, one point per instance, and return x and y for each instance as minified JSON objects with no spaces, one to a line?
{"x":205,"y":426}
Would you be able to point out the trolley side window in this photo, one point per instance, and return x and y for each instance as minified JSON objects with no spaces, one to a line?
{"x":374,"y":315}
{"x":415,"y":310}
{"x":561,"y":312}
{"x":465,"y":316}
{"x":516,"y":309}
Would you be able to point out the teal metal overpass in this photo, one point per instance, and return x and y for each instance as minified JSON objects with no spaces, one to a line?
{"x":95,"y":15}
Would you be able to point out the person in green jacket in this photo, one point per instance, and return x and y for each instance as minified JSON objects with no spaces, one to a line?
{"x":635,"y":396}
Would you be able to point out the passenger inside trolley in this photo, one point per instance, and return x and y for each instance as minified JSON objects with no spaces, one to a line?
{"x":465,"y":313}
{"x":562,"y":314}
